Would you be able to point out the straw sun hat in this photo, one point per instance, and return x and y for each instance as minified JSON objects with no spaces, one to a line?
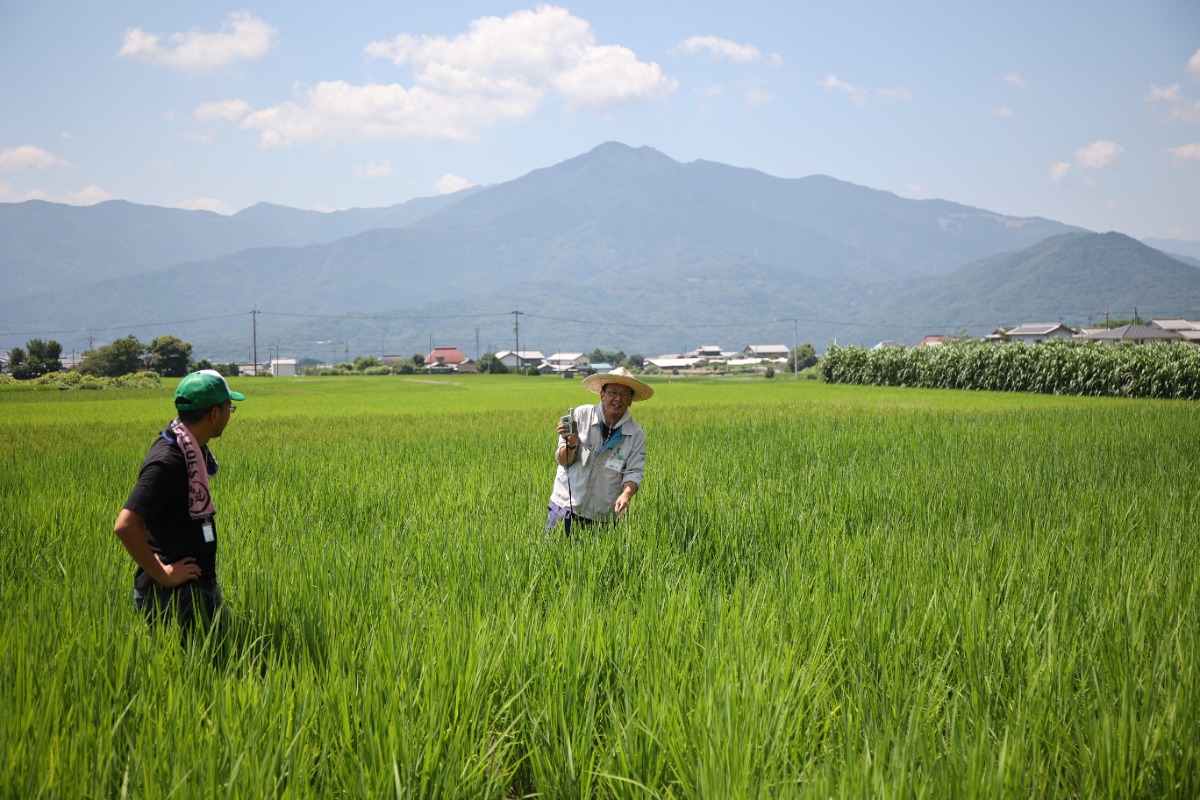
{"x":595,"y":383}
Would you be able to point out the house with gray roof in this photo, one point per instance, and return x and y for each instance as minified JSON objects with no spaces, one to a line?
{"x":1135,"y":334}
{"x":1034,"y":332}
{"x":771,"y":351}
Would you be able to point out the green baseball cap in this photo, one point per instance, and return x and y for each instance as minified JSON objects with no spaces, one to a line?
{"x":204,"y":389}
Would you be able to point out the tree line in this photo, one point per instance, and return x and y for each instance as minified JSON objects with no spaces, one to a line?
{"x":169,"y":356}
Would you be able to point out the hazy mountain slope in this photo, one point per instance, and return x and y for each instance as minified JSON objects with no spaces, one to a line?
{"x":294,"y":227}
{"x":49,"y":246}
{"x":1175,"y":247}
{"x":1074,"y":278}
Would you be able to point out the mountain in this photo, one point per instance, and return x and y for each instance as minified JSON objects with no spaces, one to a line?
{"x":1074,"y":278}
{"x":619,"y":248}
{"x":636,"y":204}
{"x":48,"y":247}
{"x":1186,"y":251}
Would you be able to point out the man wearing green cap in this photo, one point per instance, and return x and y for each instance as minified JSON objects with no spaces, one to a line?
{"x":168,"y":524}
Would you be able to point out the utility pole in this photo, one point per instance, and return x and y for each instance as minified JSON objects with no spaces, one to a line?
{"x":795,"y":360}
{"x":254,"y":353}
{"x":517,"y":337}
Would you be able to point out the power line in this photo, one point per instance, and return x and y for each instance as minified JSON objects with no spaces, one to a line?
{"x":124,"y":327}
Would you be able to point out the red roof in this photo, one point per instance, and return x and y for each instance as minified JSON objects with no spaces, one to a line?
{"x":447,"y":355}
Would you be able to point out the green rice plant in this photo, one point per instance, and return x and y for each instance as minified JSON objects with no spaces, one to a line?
{"x":821,"y":591}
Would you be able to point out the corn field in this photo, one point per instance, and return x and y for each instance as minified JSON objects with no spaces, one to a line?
{"x":821,"y":591}
{"x":1052,"y":367}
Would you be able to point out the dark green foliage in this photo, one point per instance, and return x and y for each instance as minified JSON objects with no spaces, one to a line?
{"x":37,"y":359}
{"x":1055,"y":367}
{"x":122,"y":357}
{"x":488,"y":363}
{"x":614,"y":357}
{"x":169,"y":356}
{"x":802,"y":357}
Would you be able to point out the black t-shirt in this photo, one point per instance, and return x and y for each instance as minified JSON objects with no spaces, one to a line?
{"x":161,"y":496}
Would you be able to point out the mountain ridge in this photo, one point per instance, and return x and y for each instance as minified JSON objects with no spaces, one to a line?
{"x":667,"y":250}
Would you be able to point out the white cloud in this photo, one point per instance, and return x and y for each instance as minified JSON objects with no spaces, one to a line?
{"x":1004,"y":112}
{"x":450,"y":183}
{"x":1100,"y":154}
{"x":1193,"y":65}
{"x":381,"y":169}
{"x":28,"y":156}
{"x":895,"y":93}
{"x":229,"y":110}
{"x":1184,"y":153}
{"x":1163,"y":94}
{"x":207,"y":204}
{"x":1015,"y":79}
{"x":199,"y":138}
{"x":500,"y":69}
{"x":242,"y":37}
{"x":721,"y":48}
{"x":1060,"y":171}
{"x":83,"y":197}
{"x":716,"y":90}
{"x":86,"y":197}
{"x":857,"y":93}
{"x":1178,"y":106}
{"x":757,"y":97}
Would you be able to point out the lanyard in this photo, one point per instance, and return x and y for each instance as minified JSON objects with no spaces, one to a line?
{"x":614,"y":438}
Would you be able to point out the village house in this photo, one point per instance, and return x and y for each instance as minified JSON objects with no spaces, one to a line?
{"x":281,"y":367}
{"x":1136,"y":334}
{"x":1189,"y":331}
{"x":1034,"y":332}
{"x":564,"y":363}
{"x":520,"y":359}
{"x":768,"y":351}
{"x":710,"y":353}
{"x":448,"y":359}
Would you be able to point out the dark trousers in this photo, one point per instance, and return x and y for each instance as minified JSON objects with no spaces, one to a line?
{"x":190,"y":603}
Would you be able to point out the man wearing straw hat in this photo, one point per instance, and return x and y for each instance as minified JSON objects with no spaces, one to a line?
{"x":599,"y":462}
{"x":168,"y":524}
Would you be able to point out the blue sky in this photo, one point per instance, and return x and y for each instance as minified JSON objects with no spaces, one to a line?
{"x":1083,"y":112}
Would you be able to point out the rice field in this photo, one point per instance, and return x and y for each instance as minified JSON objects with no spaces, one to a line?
{"x":821,"y":591}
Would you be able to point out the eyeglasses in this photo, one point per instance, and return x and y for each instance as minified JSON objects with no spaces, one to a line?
{"x":232,"y":408}
{"x":626,"y":396}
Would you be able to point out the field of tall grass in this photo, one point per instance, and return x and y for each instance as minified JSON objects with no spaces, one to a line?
{"x":821,"y":591}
